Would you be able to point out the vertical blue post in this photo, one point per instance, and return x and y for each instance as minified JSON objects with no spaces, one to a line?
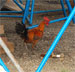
{"x":26,"y":11}
{"x":63,"y":8}
{"x":74,"y":15}
{"x":32,"y":11}
{"x":56,"y":41}
{"x":3,"y":65}
{"x":70,"y":8}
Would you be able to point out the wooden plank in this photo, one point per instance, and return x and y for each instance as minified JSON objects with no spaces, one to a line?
{"x":12,"y":6}
{"x":10,"y":55}
{"x":10,"y":45}
{"x":1,"y":29}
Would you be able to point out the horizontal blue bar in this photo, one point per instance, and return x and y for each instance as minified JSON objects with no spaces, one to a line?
{"x":11,"y":16}
{"x":57,"y":20}
{"x":3,"y":65}
{"x":35,"y":12}
{"x":11,"y":11}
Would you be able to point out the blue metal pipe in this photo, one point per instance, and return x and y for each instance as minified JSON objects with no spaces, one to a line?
{"x":63,"y":8}
{"x":32,"y":10}
{"x":35,"y":12}
{"x":11,"y":16}
{"x":74,"y":15}
{"x":56,"y":41}
{"x":3,"y":65}
{"x":69,"y":5}
{"x":57,"y":20}
{"x":27,"y":8}
{"x":69,"y":8}
{"x":18,"y":5}
{"x":53,"y":21}
{"x":26,"y":11}
{"x":11,"y":11}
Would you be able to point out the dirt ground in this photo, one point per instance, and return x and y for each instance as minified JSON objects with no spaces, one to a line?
{"x":29,"y":58}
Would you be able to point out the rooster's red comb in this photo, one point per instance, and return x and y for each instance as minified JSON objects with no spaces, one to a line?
{"x":46,"y":19}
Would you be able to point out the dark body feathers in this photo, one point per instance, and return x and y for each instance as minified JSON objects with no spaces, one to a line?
{"x":22,"y":30}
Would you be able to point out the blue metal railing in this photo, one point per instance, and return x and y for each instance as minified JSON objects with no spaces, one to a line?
{"x":29,"y":14}
{"x":15,"y":16}
{"x":52,"y":47}
{"x":10,"y":11}
{"x":3,"y":65}
{"x":70,"y":8}
{"x":57,"y":10}
{"x":26,"y":12}
{"x":63,"y":8}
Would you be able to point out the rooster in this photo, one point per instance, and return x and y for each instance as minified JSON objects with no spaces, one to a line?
{"x":32,"y":35}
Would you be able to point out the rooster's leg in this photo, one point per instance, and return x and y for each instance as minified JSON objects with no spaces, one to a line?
{"x":26,"y":45}
{"x":34,"y":43}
